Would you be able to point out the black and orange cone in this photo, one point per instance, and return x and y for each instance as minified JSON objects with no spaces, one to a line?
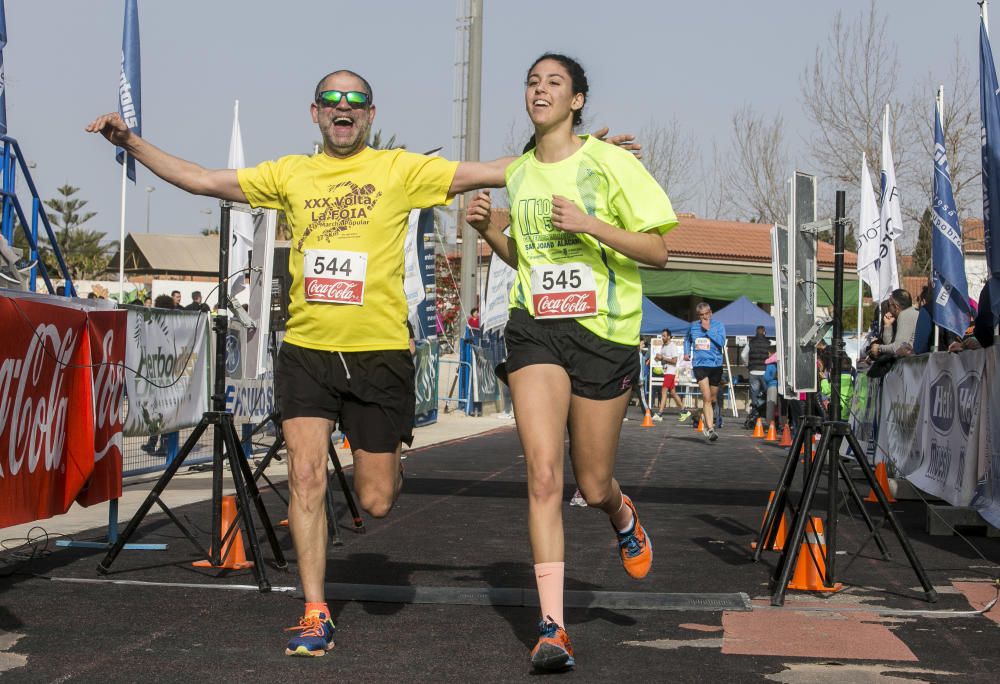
{"x":772,"y":434}
{"x":810,"y":568}
{"x":786,"y":436}
{"x":647,"y":420}
{"x":758,"y":429}
{"x":236,"y":558}
{"x":882,"y":478}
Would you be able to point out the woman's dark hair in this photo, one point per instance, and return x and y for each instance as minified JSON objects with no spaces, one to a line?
{"x":578,"y":79}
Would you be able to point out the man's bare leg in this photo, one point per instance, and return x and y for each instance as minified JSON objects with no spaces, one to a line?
{"x":308,"y":441}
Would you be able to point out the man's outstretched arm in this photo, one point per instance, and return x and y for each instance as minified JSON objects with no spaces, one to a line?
{"x":220,"y":183}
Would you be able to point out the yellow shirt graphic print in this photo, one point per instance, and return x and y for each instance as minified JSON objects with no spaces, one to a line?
{"x":605,"y":182}
{"x":349,"y":220}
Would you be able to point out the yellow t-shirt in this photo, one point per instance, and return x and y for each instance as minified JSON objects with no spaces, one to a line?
{"x":604,"y":181}
{"x":349,"y":220}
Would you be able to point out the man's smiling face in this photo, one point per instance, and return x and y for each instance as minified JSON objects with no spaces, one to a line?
{"x":344,"y":126}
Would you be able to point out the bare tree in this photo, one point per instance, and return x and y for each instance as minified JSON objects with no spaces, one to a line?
{"x":961,"y":138}
{"x":715,"y":202}
{"x":754,"y":174}
{"x":670,"y":155}
{"x":845,"y":92}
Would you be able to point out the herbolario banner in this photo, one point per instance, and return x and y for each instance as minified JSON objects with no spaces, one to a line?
{"x":168,"y":359}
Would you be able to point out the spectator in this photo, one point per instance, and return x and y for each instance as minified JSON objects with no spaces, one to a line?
{"x":176,"y":295}
{"x":165,"y":302}
{"x":923,"y":335}
{"x":147,"y":302}
{"x":771,"y":386}
{"x":755,"y":355}
{"x":985,"y":327}
{"x":162,"y":302}
{"x":196,"y":303}
{"x":473,"y":320}
{"x":901,"y":307}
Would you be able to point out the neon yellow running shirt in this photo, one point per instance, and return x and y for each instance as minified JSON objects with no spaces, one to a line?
{"x":609,"y":183}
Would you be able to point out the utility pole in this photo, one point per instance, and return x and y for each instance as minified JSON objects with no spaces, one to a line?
{"x":470,"y":238}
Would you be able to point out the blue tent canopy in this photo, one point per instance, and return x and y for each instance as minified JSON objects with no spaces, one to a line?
{"x":655,"y":320}
{"x":742,"y":318}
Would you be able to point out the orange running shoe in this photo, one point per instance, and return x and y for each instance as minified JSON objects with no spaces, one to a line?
{"x":634,"y":546}
{"x":315,"y":636}
{"x":553,"y":652}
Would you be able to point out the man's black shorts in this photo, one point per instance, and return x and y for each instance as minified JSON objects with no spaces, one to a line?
{"x":713,"y":373}
{"x":371,"y":394}
{"x":597,"y":368}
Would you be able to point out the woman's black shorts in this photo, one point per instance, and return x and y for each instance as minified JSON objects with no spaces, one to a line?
{"x":597,"y":368}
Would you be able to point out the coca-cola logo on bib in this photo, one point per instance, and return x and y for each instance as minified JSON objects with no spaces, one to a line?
{"x":32,"y":401}
{"x":344,"y":291}
{"x":566,"y":304}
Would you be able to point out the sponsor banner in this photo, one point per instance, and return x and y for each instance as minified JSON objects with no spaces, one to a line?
{"x":495,"y":297}
{"x":902,"y":394}
{"x":987,"y":497}
{"x":107,"y":346}
{"x":485,"y":386}
{"x":941,"y":462}
{"x":46,"y":409}
{"x":426,"y":387}
{"x":166,"y":382}
{"x":863,"y":416}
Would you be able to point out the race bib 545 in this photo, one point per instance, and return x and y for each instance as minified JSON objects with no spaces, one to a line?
{"x":563,"y":291}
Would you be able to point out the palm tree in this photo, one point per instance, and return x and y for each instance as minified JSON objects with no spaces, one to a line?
{"x":65,"y":215}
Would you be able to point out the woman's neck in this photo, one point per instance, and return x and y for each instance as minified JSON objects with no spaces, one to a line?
{"x":556,"y":144}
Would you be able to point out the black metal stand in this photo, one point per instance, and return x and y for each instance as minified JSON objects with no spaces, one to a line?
{"x":832,"y":433}
{"x":338,"y":471}
{"x":226,"y":445}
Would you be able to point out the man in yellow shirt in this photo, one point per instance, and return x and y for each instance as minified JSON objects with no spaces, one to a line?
{"x":345,"y":355}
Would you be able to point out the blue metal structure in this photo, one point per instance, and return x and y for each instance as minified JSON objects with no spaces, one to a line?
{"x":12,"y":209}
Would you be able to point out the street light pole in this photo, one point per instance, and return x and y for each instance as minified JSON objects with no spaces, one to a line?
{"x":470,"y":238}
{"x":149,"y":193}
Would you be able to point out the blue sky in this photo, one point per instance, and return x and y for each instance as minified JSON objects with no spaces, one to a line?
{"x":647,"y":62}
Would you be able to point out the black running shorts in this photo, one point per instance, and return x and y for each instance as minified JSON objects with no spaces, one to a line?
{"x":597,"y":368}
{"x":713,"y":373}
{"x":370,"y":394}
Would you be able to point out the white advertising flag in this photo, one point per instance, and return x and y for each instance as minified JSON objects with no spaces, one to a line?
{"x":240,"y":223}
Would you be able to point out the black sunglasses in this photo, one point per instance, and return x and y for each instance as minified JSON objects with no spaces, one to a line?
{"x":331,"y":98}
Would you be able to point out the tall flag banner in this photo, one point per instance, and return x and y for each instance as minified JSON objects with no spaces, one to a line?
{"x":129,"y":87}
{"x":950,"y":305}
{"x":892,"y":219}
{"x":990,"y":112}
{"x":869,"y":231}
{"x":241,"y":223}
{"x":3,"y":79}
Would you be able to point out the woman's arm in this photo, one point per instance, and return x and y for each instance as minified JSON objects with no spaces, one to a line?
{"x":478,"y":216}
{"x":647,"y":247}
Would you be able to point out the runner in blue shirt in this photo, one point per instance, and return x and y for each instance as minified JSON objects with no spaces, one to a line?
{"x":704,"y":345}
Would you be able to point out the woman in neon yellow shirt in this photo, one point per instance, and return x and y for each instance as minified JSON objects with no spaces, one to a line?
{"x":583,"y":212}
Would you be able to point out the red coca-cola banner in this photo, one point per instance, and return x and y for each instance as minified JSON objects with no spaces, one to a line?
{"x":107,"y":331}
{"x":46,"y":409}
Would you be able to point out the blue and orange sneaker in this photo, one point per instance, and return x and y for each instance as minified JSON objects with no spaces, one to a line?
{"x":553,"y":652}
{"x":634,"y":546}
{"x":315,"y":636}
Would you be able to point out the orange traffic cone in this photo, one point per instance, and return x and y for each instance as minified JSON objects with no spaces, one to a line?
{"x":786,"y":436}
{"x":758,"y":429}
{"x":235,"y":558}
{"x":772,"y":434}
{"x":779,"y":540}
{"x":701,"y":425}
{"x":882,"y":477}
{"x":811,"y":564}
{"x":283,"y":523}
{"x":346,"y":444}
{"x":647,"y":420}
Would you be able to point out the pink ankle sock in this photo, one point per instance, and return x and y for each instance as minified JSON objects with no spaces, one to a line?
{"x":549,"y":578}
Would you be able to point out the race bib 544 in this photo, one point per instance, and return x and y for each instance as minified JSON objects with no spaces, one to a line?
{"x":335,"y":276}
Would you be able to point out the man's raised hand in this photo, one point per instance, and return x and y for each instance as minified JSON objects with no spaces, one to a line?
{"x":626,"y":141}
{"x":112,"y":127}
